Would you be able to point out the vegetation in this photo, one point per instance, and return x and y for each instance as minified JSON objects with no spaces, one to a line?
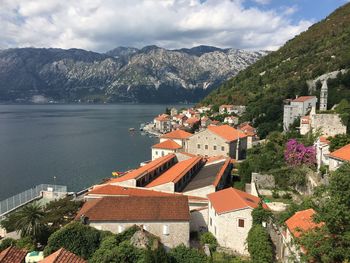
{"x":259,"y":245}
{"x":260,"y":215}
{"x":183,"y":254}
{"x":209,"y":238}
{"x":282,"y":74}
{"x":80,"y":239}
{"x":338,"y":141}
{"x":331,"y":243}
{"x":7,"y":242}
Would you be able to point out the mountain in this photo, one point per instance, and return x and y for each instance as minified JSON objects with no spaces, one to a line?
{"x":124,"y":74}
{"x":323,"y":48}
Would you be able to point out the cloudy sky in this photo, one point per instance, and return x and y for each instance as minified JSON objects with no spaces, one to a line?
{"x":101,"y":25}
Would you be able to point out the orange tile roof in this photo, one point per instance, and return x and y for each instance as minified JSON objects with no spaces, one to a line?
{"x":324,"y":140}
{"x":177,"y":134}
{"x":192,"y":120}
{"x":231,"y":199}
{"x":116,"y":190}
{"x":137,"y":208}
{"x":63,"y":256}
{"x":226,"y":106}
{"x":227,"y":132}
{"x":302,"y":221}
{"x":222,"y":171}
{"x":13,"y":254}
{"x":303,"y":98}
{"x":175,"y":173}
{"x":168,"y":144}
{"x":151,"y":166}
{"x":163,"y":117}
{"x":342,"y":153}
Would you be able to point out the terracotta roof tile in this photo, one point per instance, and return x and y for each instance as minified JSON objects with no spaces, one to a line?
{"x":143,"y":169}
{"x":192,"y":120}
{"x":168,"y":144}
{"x":302,"y":221}
{"x":342,"y":153}
{"x":63,"y":256}
{"x":163,"y":117}
{"x":324,"y":140}
{"x":13,"y":254}
{"x":227,"y":132}
{"x":222,"y":171}
{"x":137,"y":208}
{"x":175,"y":173}
{"x":116,"y":190}
{"x":177,"y":134}
{"x":303,"y":98}
{"x":231,"y":199}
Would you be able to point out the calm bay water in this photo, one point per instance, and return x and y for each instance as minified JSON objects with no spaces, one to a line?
{"x":79,"y":144}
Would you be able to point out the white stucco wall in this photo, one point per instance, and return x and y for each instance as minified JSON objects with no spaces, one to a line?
{"x":179,"y":232}
{"x":157,"y":153}
{"x":334,"y":164}
{"x":226,"y":230}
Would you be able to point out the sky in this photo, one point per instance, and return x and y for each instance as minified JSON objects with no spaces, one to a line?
{"x":101,"y":25}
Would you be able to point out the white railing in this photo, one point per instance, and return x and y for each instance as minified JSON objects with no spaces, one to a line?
{"x":27,"y":196}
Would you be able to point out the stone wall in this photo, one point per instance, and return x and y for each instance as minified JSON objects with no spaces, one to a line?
{"x":179,"y":232}
{"x":199,"y":220}
{"x":263,"y":180}
{"x":329,"y":124}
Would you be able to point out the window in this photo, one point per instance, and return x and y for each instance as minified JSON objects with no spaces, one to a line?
{"x":162,"y":153}
{"x":211,"y":221}
{"x":206,"y":147}
{"x":120,"y":228}
{"x":166,"y":230}
{"x":198,"y":146}
{"x":214,"y":147}
{"x":156,"y":152}
{"x":241,"y":222}
{"x":222,"y":148}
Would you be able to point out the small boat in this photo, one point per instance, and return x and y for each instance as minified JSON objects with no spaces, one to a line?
{"x":131,"y":129}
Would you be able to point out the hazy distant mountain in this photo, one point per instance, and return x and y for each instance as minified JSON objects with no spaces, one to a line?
{"x":150,"y":74}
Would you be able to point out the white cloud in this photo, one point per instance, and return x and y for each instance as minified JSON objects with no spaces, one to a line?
{"x":104,"y":24}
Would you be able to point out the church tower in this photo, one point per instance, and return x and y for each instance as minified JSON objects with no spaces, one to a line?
{"x":324,"y":96}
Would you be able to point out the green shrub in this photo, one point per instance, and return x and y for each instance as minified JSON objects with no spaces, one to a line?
{"x":275,"y":194}
{"x":259,"y":245}
{"x":260,"y":214}
{"x":183,"y":254}
{"x":25,"y":243}
{"x":80,"y":239}
{"x":126,"y":234}
{"x":6,"y":242}
{"x":209,"y":238}
{"x":287,"y":196}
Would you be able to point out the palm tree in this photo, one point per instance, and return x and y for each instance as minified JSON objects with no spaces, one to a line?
{"x":30,"y":220}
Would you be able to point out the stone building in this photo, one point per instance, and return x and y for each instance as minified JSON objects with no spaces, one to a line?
{"x":162,"y":123}
{"x":167,"y":217}
{"x":339,"y":157}
{"x":324,"y":96}
{"x":218,"y":140}
{"x":297,"y":108}
{"x":230,"y":218}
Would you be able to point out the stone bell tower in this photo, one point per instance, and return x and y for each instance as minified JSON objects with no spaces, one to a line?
{"x":324,"y":96}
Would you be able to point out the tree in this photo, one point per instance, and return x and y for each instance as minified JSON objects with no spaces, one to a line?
{"x":260,"y":215}
{"x":259,"y":245}
{"x":29,"y":221}
{"x":7,"y":242}
{"x":209,"y":238}
{"x":338,"y":141}
{"x":183,"y":254}
{"x":331,"y":243}
{"x":80,"y":239}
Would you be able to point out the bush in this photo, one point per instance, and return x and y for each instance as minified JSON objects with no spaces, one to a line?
{"x":80,"y":239}
{"x":7,"y":242}
{"x":259,"y":245}
{"x":208,"y":238}
{"x":260,"y":214}
{"x":183,"y":254}
{"x":126,"y":234}
{"x":25,"y":243}
{"x":275,"y":194}
{"x":287,"y":196}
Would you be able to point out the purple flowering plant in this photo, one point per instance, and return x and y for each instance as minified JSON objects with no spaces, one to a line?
{"x":297,"y":154}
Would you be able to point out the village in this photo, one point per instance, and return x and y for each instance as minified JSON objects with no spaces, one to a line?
{"x":191,"y":186}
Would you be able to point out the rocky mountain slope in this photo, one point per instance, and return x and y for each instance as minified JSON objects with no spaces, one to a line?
{"x":124,"y":74}
{"x":323,"y":48}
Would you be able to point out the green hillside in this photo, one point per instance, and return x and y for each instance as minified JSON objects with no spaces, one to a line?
{"x":324,"y":47}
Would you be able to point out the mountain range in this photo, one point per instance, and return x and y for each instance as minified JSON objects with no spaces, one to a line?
{"x":124,"y":74}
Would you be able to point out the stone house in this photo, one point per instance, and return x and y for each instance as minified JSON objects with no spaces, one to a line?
{"x":322,"y":151}
{"x":173,"y":112}
{"x":226,"y":109}
{"x":339,"y":157}
{"x":162,"y":123}
{"x":167,"y":217}
{"x":251,"y":133}
{"x":192,"y":122}
{"x":297,"y":108}
{"x":231,"y":120}
{"x":230,"y":218}
{"x":218,"y":140}
{"x":299,"y":223}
